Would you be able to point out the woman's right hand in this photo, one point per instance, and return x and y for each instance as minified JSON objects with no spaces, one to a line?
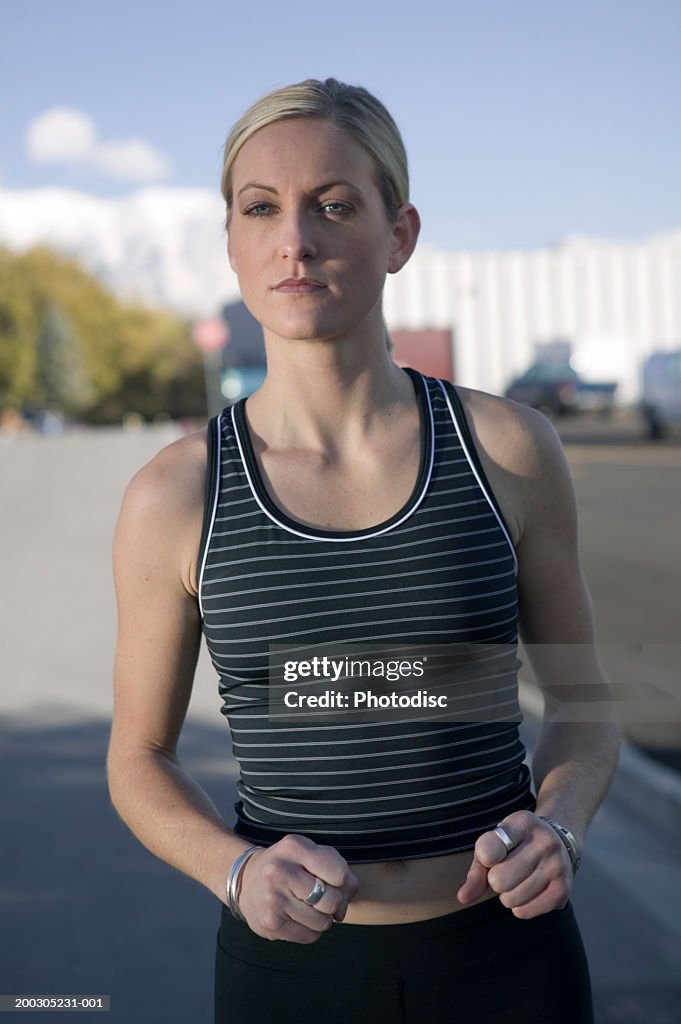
{"x":275,"y":882}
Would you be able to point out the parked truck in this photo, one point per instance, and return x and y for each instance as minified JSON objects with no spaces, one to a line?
{"x":661,"y":393}
{"x":558,"y":389}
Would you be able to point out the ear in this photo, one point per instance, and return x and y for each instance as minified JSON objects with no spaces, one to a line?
{"x":405,"y":235}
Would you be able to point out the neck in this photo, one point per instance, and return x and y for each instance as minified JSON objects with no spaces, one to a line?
{"x":327,"y":394}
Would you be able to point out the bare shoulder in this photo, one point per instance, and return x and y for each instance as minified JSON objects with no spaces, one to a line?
{"x":522,"y":456}
{"x":173,"y":479}
{"x":514,"y":436}
{"x":162,"y":508}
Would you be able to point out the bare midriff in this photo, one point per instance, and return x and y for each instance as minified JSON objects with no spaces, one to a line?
{"x":397,"y":892}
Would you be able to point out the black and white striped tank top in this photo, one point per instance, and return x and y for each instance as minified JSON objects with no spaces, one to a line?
{"x":440,"y":572}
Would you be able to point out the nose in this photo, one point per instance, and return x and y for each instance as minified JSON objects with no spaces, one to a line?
{"x":297,"y":236}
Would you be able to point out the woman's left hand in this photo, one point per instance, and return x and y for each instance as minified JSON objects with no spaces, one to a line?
{"x":533,"y":878}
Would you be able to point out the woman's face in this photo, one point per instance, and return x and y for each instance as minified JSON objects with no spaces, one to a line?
{"x":309,"y":237}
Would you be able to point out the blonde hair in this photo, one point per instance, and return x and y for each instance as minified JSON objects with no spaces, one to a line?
{"x":349,"y":107}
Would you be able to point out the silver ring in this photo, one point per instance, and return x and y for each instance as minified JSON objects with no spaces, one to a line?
{"x":318,"y":890}
{"x":505,"y":838}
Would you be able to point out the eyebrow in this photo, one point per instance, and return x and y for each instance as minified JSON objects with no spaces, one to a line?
{"x":256,"y":184}
{"x":320,"y":188}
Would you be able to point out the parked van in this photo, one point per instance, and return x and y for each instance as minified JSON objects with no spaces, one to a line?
{"x":661,"y":395}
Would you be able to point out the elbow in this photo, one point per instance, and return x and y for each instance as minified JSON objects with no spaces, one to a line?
{"x":117,"y":780}
{"x":133,"y":771}
{"x":123,"y":767}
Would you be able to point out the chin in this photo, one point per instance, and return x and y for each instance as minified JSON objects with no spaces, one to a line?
{"x":306,"y":331}
{"x":315,"y":328}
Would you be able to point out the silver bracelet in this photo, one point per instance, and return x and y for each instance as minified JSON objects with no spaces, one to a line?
{"x":568,"y":841}
{"x":233,"y":881}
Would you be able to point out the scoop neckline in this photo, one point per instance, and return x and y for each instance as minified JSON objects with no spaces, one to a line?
{"x":300,"y":528}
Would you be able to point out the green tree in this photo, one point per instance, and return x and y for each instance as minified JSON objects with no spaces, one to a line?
{"x":66,"y":341}
{"x":62,"y":381}
{"x":19,"y":324}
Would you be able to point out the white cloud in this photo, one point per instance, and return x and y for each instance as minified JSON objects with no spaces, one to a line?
{"x":61,"y":135}
{"x":163,"y":246}
{"x":134,"y":159}
{"x":68,"y":136}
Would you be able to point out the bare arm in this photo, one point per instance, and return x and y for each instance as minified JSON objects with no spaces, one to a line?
{"x":155,"y":549}
{"x":158,"y":643}
{"x":575,"y":757}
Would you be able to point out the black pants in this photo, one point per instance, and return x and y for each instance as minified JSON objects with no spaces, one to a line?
{"x":481,"y":965}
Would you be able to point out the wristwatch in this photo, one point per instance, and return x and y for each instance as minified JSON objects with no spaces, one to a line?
{"x":568,"y":841}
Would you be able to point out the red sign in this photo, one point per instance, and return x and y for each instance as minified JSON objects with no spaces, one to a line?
{"x":211,"y":333}
{"x":429,"y":351}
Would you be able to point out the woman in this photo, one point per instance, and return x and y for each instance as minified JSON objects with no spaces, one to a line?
{"x":406,"y":866}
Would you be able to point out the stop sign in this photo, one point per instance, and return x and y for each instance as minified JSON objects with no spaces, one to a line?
{"x":211,"y":333}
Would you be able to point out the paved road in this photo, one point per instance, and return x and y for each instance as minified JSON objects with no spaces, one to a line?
{"x":85,"y":909}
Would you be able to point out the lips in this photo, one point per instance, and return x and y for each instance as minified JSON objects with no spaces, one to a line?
{"x":299,"y":286}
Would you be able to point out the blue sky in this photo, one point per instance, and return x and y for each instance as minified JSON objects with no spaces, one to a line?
{"x":525,"y":121}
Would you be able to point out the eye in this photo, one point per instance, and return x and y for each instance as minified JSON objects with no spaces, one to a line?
{"x":336,"y":207}
{"x":259,"y":209}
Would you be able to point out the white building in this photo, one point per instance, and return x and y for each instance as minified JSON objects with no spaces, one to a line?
{"x":613,"y":302}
